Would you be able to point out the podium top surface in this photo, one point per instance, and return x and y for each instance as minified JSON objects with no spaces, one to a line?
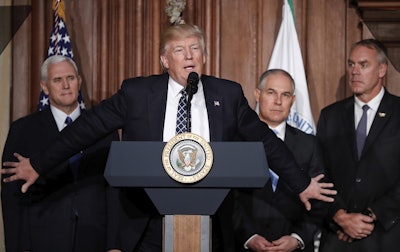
{"x":139,"y":164}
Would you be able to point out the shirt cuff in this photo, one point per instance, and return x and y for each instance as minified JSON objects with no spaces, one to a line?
{"x":245,"y":244}
{"x":300,"y":241}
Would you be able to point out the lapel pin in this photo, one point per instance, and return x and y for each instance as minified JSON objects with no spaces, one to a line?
{"x":216,"y":103}
{"x":381,"y":114}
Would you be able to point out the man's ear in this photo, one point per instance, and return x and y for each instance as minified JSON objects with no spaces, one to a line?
{"x":257,"y":93}
{"x":164,"y":62}
{"x":293,"y":100}
{"x":382,"y":70}
{"x":79,"y":82}
{"x":44,"y":87}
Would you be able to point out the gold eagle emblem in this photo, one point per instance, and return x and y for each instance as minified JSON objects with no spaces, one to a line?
{"x":187,"y":158}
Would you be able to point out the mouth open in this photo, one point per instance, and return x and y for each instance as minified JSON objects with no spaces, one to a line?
{"x":189,"y":68}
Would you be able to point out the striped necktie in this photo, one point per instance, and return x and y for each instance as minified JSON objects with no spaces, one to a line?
{"x":181,"y":117}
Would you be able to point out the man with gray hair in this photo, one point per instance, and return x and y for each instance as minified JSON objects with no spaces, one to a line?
{"x":66,"y":211}
{"x":274,"y":217}
{"x":360,"y":143}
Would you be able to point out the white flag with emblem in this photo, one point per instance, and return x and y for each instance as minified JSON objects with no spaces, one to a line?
{"x":287,"y":56}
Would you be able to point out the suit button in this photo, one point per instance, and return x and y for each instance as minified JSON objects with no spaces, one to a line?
{"x":358,"y":180}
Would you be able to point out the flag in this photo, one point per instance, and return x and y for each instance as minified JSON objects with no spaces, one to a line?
{"x":286,"y":55}
{"x":60,"y":44}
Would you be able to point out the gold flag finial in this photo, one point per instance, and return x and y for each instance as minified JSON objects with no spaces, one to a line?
{"x":58,"y":6}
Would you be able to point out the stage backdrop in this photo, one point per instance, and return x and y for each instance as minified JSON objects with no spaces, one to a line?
{"x":116,"y":39}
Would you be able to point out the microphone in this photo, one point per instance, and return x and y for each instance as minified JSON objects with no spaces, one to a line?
{"x":191,"y":89}
{"x":192,"y":82}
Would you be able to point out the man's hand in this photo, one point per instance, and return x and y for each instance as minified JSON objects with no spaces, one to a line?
{"x":343,"y":236}
{"x":258,"y":243}
{"x":20,"y":170}
{"x":286,"y":243}
{"x":317,"y":190}
{"x":355,"y":225}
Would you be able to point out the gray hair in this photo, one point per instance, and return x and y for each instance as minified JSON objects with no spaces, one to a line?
{"x":375,"y":45}
{"x":271,"y":72}
{"x":54,"y":60}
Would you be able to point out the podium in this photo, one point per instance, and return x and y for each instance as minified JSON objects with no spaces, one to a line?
{"x":186,"y":207}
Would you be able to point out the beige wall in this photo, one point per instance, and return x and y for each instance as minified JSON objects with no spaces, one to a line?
{"x":5,"y":63}
{"x":5,"y":83}
{"x":116,"y":39}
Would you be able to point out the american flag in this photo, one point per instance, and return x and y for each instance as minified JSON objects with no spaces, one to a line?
{"x":60,"y":44}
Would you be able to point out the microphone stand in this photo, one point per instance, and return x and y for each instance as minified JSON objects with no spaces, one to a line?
{"x":188,"y":110}
{"x":191,"y":89}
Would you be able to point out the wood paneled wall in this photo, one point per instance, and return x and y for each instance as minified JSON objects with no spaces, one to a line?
{"x":116,"y":39}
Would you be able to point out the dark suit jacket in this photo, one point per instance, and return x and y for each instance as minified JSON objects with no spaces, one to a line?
{"x":374,"y":180}
{"x":139,"y":109}
{"x":275,"y":214}
{"x":53,"y":210}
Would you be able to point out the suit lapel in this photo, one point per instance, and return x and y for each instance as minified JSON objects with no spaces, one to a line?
{"x":48,"y":124}
{"x":382,"y":116}
{"x":290,"y":138}
{"x":291,"y":143}
{"x":347,"y":120}
{"x":214,"y":104}
{"x":156,"y":103}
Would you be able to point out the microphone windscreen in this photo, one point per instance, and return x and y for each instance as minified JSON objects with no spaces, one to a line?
{"x":193,"y":79}
{"x":192,"y":82}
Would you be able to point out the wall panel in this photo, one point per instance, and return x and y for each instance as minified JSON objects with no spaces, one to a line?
{"x":117,"y":39}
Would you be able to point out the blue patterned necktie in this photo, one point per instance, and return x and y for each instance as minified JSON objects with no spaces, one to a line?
{"x":181,"y":117}
{"x":272,"y":175}
{"x":75,"y":160}
{"x":68,"y":120}
{"x":361,"y":131}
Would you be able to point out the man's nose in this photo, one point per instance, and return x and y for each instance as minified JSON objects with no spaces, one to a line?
{"x":188,"y":54}
{"x":65,"y":84}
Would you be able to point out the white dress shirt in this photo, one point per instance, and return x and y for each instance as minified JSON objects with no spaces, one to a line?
{"x":199,"y":113}
{"x":280,"y":130}
{"x":60,"y":116}
{"x":373,"y":108}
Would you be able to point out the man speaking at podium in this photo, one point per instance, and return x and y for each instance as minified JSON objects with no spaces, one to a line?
{"x":146,"y":110}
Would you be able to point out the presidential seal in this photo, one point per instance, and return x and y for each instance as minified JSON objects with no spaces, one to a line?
{"x":187,"y":158}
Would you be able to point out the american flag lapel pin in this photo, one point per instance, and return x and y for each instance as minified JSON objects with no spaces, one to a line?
{"x":216,"y":103}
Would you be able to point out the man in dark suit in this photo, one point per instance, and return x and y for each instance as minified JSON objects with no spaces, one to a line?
{"x":361,"y":152}
{"x":67,"y":212}
{"x":273,"y":217}
{"x":146,"y":110}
